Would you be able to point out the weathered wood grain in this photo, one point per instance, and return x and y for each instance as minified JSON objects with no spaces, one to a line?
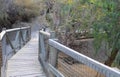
{"x":25,"y":62}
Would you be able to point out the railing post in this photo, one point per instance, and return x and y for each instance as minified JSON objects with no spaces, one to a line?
{"x":39,"y":47}
{"x":0,"y":57}
{"x":28,"y":34}
{"x":4,"y":55}
{"x":53,"y":55}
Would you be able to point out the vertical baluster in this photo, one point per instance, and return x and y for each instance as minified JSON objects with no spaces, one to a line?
{"x":20,"y":39}
{"x":16,"y":45}
{"x":28,"y":34}
{"x":39,"y":47}
{"x":25,"y":36}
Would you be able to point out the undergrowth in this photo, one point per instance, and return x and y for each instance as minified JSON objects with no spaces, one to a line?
{"x":18,"y":10}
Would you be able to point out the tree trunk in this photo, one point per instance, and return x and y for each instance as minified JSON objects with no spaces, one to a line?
{"x":112,"y":57}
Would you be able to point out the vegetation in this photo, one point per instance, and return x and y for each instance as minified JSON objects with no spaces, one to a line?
{"x":18,"y":10}
{"x":76,"y":19}
{"x":89,"y":18}
{"x":107,"y":29}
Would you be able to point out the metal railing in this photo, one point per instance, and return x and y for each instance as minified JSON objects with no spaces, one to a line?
{"x":49,"y":50}
{"x":11,"y":41}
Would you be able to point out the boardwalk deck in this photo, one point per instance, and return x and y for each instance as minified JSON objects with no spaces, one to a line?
{"x":25,"y":63}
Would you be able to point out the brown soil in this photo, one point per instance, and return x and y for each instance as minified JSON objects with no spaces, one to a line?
{"x":72,"y":68}
{"x":75,"y":69}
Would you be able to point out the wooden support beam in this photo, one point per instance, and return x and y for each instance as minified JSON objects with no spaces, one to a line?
{"x":53,"y":56}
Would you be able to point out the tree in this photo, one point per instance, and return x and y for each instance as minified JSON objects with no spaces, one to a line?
{"x":107,"y":30}
{"x":102,"y":16}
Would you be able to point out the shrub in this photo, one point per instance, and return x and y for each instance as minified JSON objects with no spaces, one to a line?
{"x":17,"y":10}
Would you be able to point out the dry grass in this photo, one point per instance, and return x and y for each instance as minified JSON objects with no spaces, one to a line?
{"x":20,"y":10}
{"x":30,"y":4}
{"x":34,"y":7}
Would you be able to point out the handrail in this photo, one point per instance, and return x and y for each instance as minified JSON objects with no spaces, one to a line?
{"x":49,"y":65}
{"x":16,"y":29}
{"x":14,"y":39}
{"x":2,"y":34}
{"x":84,"y":59}
{"x":45,"y":33}
{"x":11,"y":30}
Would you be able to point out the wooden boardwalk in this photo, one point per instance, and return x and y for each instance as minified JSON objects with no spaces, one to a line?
{"x":25,"y":63}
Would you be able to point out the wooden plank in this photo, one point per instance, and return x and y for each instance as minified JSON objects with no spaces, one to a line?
{"x":25,"y":62}
{"x":33,"y":75}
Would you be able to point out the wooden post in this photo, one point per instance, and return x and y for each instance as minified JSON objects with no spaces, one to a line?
{"x":53,"y":56}
{"x":3,"y":56}
{"x":39,"y":47}
{"x":41,"y":55}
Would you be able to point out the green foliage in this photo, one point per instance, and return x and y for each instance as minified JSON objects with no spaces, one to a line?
{"x":107,"y":29}
{"x":102,"y":16}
